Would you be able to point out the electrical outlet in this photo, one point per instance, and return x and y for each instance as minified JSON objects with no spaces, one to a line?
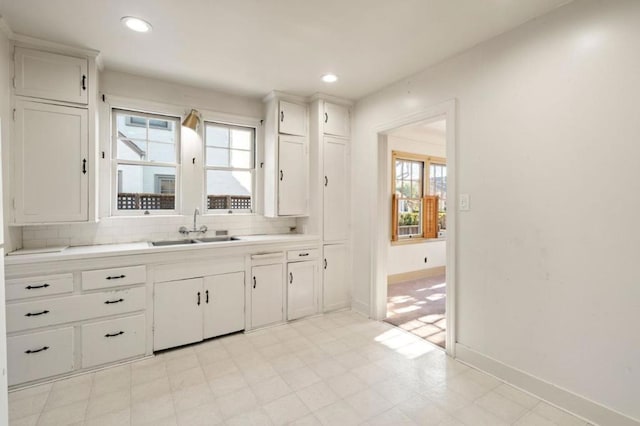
{"x":464,"y":203}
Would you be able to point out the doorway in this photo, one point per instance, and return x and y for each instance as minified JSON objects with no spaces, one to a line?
{"x":413,"y":256}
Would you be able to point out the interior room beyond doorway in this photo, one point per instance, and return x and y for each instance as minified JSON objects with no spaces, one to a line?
{"x":416,"y":258}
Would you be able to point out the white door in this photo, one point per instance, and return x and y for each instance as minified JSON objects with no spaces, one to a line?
{"x":292,"y":176}
{"x":51,"y":76}
{"x":292,"y":118}
{"x":177,"y":316}
{"x":301,"y":289}
{"x":266,"y":295}
{"x":51,"y":163}
{"x":336,"y":286}
{"x":223,"y":304}
{"x":336,"y":188}
{"x":336,"y":120}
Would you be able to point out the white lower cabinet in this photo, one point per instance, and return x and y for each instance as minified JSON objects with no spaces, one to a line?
{"x":223,"y":304}
{"x":301,"y":289}
{"x":177,"y":313}
{"x":336,"y":286}
{"x":190,"y":310}
{"x":113,"y":340}
{"x":266,"y":295}
{"x":37,"y":355}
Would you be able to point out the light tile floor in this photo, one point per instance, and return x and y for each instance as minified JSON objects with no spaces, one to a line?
{"x":336,"y":369}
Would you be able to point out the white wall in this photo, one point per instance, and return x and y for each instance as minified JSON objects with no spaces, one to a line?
{"x":410,"y":257}
{"x":547,"y":147}
{"x":177,"y":99}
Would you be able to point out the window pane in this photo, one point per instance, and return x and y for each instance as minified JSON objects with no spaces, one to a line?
{"x":241,"y":138}
{"x":229,"y":190}
{"x":241,"y":159}
{"x":416,"y":171}
{"x":409,"y":217}
{"x":399,"y":170}
{"x":145,"y":139}
{"x":146,"y":187}
{"x":218,"y":157}
{"x":217,"y":136}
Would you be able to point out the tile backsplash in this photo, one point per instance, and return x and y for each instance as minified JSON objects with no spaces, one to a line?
{"x":147,"y":228}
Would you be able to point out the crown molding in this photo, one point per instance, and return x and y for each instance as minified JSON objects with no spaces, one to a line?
{"x":28,"y":41}
{"x":5,"y":28}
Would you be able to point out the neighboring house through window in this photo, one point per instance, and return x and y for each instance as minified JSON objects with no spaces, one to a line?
{"x":146,"y":159}
{"x":229,"y":167}
{"x":419,"y":196}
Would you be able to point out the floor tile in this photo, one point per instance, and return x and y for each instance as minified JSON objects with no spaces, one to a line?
{"x":317,"y":396}
{"x":338,"y":413}
{"x":501,"y":406}
{"x":65,"y":415}
{"x":237,"y":402}
{"x":152,"y":409}
{"x":114,"y":418}
{"x":346,"y":384}
{"x":192,"y":396}
{"x":556,"y":415}
{"x":26,"y":406}
{"x":202,"y":415}
{"x":270,"y":389}
{"x":286,"y":409}
{"x":100,"y":405}
{"x":300,"y":378}
{"x":517,"y":396}
{"x":368,"y":403}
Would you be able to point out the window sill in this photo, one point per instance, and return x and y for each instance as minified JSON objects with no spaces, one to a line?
{"x":416,"y":240}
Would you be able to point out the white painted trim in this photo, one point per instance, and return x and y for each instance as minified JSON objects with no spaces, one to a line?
{"x":381,"y":217}
{"x":32,"y":42}
{"x":329,"y":98}
{"x":561,"y":398}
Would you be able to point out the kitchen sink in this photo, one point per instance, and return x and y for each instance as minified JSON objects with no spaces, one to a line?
{"x":173,"y":243}
{"x":216,"y":239}
{"x":194,"y":241}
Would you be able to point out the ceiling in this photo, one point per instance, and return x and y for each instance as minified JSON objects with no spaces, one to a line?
{"x":251,"y":47}
{"x":432,"y":132}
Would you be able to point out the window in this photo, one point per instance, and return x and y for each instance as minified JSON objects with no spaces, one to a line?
{"x":419,"y":196}
{"x":229,"y":167}
{"x":146,"y":160}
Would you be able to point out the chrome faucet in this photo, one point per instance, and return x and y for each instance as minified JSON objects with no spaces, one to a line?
{"x":202,"y":230}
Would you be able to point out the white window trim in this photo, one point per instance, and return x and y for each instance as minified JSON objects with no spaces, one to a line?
{"x":114,"y":165}
{"x":252,"y":170}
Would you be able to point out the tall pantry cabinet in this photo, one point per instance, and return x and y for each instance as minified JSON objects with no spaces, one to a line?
{"x":330,"y":132}
{"x":54,"y":96}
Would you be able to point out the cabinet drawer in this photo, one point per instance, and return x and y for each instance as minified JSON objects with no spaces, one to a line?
{"x":113,"y":340}
{"x":115,"y":302}
{"x":38,"y":355}
{"x":302,"y":254}
{"x":42,"y":313}
{"x":23,"y":288}
{"x":114,"y":277}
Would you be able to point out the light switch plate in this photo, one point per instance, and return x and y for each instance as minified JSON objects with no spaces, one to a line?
{"x":464,"y":204}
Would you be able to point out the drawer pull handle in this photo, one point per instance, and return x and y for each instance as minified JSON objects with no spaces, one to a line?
{"x":35,"y":351}
{"x":290,"y":277}
{"x":303,"y":254}
{"x":35,"y":314}
{"x":198,"y":298}
{"x":119,"y":333}
{"x":109,"y":302}
{"x":116,"y":277}
{"x":207,"y":295}
{"x":33,"y":287}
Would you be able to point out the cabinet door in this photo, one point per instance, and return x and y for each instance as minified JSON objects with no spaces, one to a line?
{"x":336,"y":182}
{"x":223,"y":304}
{"x":336,"y":120}
{"x":51,"y":163}
{"x":336,"y":287}
{"x":51,"y":76}
{"x":301,"y":289}
{"x":292,"y":176}
{"x":177,"y":317}
{"x":292,"y":119}
{"x":266,"y":295}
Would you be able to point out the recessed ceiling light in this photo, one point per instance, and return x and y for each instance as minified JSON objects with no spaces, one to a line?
{"x":329,"y":78}
{"x":136,"y":24}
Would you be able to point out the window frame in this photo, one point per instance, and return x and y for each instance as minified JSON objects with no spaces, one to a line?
{"x":427,"y":161}
{"x":253,"y":170}
{"x":115,"y":162}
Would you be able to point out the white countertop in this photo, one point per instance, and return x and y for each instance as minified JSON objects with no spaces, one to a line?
{"x":145,"y":247}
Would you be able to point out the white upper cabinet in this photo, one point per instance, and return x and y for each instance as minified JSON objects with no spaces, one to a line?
{"x":337,"y":120}
{"x":336,"y":190}
{"x":51,"y":76}
{"x":51,"y":163}
{"x":292,"y":176}
{"x":292,"y":119}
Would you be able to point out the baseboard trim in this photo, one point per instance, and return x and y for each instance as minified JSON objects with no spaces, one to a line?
{"x":575,"y":404}
{"x":415,"y":275}
{"x":361,"y":308}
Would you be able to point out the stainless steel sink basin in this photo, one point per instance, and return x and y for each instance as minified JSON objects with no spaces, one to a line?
{"x":217,"y":239}
{"x":194,"y":241}
{"x":173,"y":243}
